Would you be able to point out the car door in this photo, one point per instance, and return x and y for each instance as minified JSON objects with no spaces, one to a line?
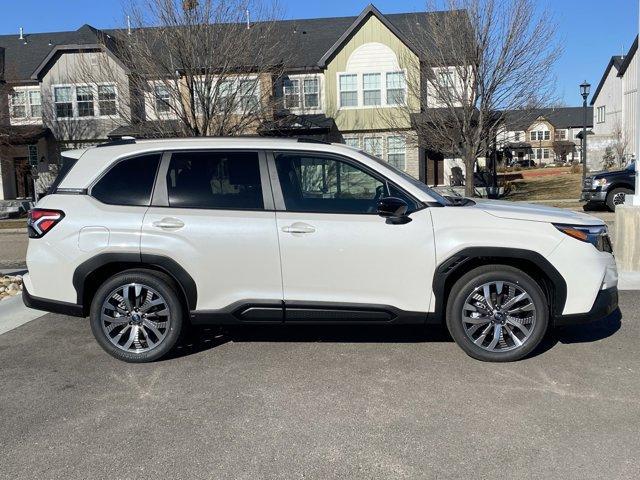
{"x":336,"y":250}
{"x":212,"y":213}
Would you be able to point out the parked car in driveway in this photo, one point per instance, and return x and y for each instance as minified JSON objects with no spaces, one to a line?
{"x":609,"y":188}
{"x":147,"y":237}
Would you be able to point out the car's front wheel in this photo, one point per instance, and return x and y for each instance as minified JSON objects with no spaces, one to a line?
{"x":497,"y":313}
{"x":136,"y":316}
{"x":617,"y":197}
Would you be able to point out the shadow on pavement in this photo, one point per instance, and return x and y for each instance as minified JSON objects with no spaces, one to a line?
{"x":589,"y":332}
{"x":202,"y":339}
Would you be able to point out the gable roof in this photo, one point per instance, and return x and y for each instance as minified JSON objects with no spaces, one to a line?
{"x":563,"y":117}
{"x":615,"y":62}
{"x":22,"y":57}
{"x":308,"y":41}
{"x":369,"y":11}
{"x":628,"y":57}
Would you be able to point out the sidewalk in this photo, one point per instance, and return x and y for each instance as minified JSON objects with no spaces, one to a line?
{"x":13,"y":314}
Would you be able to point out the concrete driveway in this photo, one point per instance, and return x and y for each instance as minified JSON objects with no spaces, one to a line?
{"x":321,"y":403}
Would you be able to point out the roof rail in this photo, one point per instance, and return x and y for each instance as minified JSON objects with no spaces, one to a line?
{"x":121,"y":141}
{"x":312,"y":140}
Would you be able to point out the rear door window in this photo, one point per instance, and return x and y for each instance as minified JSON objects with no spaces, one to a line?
{"x":129,"y":182}
{"x":215,"y":180}
{"x":65,"y":167}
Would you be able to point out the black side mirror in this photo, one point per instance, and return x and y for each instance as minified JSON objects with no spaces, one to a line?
{"x":394,"y":210}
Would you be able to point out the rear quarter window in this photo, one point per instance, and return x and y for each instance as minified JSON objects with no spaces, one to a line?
{"x":128,"y":182}
{"x":65,"y":167}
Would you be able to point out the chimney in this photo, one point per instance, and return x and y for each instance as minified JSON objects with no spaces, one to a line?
{"x":248,"y":21}
{"x":128,"y":25}
{"x":21,"y":34}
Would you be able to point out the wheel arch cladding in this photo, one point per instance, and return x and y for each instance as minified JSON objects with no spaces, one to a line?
{"x":532,"y":263}
{"x":89,"y":275}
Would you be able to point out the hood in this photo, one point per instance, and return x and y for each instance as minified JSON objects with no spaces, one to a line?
{"x":535,"y":213}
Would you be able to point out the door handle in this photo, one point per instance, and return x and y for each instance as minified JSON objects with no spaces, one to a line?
{"x":169,"y":223}
{"x":299,"y":227}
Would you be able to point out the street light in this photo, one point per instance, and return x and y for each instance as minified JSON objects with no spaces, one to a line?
{"x":584,"y":91}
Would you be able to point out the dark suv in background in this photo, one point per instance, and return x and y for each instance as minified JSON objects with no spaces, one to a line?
{"x":609,"y":188}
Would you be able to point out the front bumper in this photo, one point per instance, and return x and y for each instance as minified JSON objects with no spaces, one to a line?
{"x":53,"y":306}
{"x":606,"y":302}
{"x":593,"y":196}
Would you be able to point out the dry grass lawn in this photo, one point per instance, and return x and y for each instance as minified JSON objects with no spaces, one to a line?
{"x":546,"y":185}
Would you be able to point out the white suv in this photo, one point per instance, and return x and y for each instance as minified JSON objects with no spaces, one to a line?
{"x":148,"y":237}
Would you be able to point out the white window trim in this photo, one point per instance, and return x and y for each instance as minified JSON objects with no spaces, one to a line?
{"x":236,"y":80}
{"x":303,"y":108}
{"x":26,"y":89}
{"x":360,"y":89}
{"x":74,"y":100}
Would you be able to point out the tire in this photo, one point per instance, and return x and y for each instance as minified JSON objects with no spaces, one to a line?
{"x":148,"y":325}
{"x":513,"y":282}
{"x":616,"y":197}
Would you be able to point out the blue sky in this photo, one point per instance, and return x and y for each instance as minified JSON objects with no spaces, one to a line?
{"x":591,"y":30}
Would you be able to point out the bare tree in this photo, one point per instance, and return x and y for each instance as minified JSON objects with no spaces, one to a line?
{"x":195,"y":68}
{"x":479,"y":59}
{"x":620,"y":142}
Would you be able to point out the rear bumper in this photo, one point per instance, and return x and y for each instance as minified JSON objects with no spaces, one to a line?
{"x":53,"y":306}
{"x":606,"y":302}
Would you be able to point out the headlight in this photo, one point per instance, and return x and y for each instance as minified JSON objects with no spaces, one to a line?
{"x":597,"y":235}
{"x":599,"y":182}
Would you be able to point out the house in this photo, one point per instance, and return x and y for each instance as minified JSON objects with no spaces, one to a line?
{"x":346,"y":76}
{"x":614,"y":110}
{"x":543,"y":136}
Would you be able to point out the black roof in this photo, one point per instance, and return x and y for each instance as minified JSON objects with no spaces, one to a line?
{"x":615,"y":62}
{"x":308,"y":40}
{"x":628,"y":57}
{"x":561,"y":117}
{"x":21,"y":59}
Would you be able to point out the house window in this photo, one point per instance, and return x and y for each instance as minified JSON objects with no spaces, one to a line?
{"x":540,"y":135}
{"x":162,"y":99}
{"x":561,"y":134}
{"x":107,"y":99}
{"x":396,"y":152}
{"x":516,"y":137}
{"x":35,"y":103}
{"x":33,"y":155}
{"x":84,"y":97}
{"x":248,"y":95}
{"x":19,"y":104}
{"x":225,"y":96}
{"x":63,"y":102}
{"x":292,"y":93}
{"x":348,"y":90}
{"x":352,"y":142}
{"x":311,"y":93}
{"x":601,"y":114}
{"x":372,"y":94}
{"x":395,"y":88}
{"x":373,"y":146}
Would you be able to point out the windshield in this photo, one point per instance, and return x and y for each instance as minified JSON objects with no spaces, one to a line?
{"x":414,"y":181}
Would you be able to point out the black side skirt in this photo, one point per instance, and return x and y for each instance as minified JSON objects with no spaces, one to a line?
{"x":318,"y":313}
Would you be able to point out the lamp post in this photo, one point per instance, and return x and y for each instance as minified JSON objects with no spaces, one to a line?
{"x":584,"y":91}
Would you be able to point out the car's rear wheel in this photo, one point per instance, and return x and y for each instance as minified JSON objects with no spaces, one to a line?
{"x":497,"y":313}
{"x":136,"y":316}
{"x":617,"y":197}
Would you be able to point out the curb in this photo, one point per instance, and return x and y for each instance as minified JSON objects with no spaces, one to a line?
{"x":628,"y":280}
{"x":14,"y":313}
{"x":12,"y":230}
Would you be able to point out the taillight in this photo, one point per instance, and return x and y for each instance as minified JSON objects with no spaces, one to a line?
{"x":40,"y":221}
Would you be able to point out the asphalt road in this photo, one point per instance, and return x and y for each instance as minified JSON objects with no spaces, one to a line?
{"x":321,"y":403}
